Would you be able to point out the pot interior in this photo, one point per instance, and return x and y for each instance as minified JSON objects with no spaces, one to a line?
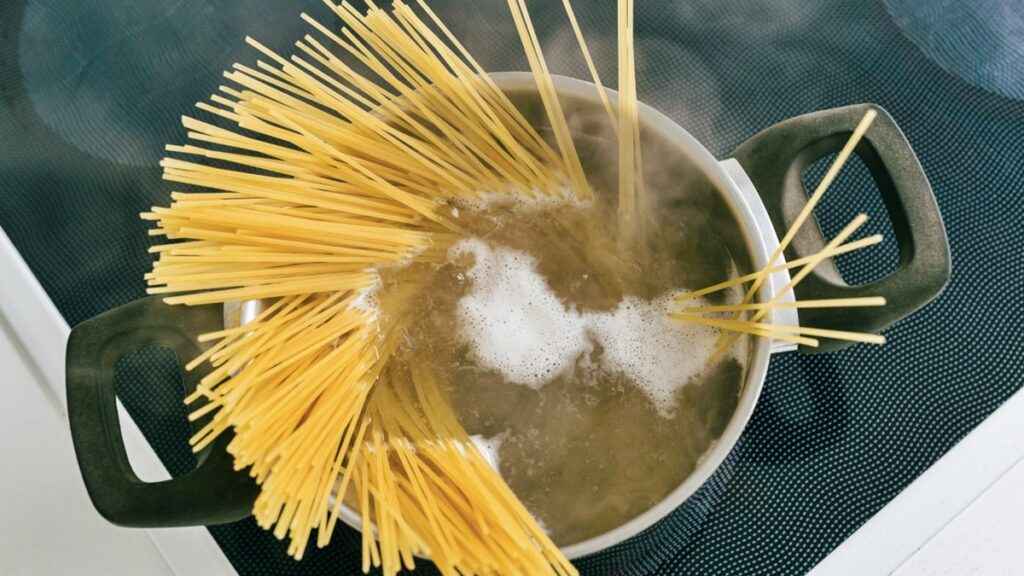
{"x":597,"y":467}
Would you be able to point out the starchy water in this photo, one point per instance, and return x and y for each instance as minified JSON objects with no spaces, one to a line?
{"x":559,"y":359}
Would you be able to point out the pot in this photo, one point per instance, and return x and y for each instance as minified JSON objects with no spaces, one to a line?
{"x":759,"y":186}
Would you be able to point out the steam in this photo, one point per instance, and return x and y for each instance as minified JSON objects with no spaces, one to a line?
{"x":112,"y":78}
{"x":703,"y":63}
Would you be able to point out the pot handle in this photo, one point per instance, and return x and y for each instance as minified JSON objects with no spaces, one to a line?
{"x":775,"y":158}
{"x":212,"y":493}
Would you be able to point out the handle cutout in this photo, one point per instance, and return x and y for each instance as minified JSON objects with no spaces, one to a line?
{"x":150,"y":385}
{"x":854,"y":191}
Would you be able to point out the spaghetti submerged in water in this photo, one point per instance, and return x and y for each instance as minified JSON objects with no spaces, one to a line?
{"x":313,"y":174}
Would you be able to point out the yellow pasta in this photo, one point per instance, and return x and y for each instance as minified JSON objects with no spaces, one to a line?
{"x":311,"y":172}
{"x":546,"y":88}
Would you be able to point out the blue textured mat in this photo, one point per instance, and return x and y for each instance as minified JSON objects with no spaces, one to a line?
{"x":90,"y":92}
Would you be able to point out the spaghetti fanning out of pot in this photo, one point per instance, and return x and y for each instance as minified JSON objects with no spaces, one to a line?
{"x":345,"y":192}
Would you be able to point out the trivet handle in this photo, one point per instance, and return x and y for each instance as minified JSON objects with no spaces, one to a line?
{"x":775,"y":158}
{"x":212,"y":493}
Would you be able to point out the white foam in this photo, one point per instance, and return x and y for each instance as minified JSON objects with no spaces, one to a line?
{"x":514,"y":322}
{"x":517,"y":326}
{"x":366,"y":298}
{"x":518,"y":199}
{"x":657,"y":353}
{"x":488,"y":448}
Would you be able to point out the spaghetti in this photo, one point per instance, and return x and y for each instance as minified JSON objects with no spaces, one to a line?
{"x":835,"y":246}
{"x":308,"y":177}
{"x":311,"y":174}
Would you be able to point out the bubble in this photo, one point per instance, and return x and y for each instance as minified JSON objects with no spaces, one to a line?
{"x":366,"y":299}
{"x":489,"y":448}
{"x":515,"y":324}
{"x":512,"y":320}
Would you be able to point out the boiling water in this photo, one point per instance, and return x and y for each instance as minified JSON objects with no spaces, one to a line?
{"x":558,"y":357}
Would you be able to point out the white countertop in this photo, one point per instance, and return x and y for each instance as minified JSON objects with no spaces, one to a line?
{"x":984,"y":539}
{"x":48,"y":525}
{"x":963,"y":516}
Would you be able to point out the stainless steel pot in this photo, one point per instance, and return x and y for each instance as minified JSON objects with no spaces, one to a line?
{"x":762,"y":189}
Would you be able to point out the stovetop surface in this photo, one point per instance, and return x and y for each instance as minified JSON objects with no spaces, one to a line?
{"x":90,"y":93}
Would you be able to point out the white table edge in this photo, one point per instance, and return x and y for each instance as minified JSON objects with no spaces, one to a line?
{"x":43,"y":334}
{"x":890,"y":538}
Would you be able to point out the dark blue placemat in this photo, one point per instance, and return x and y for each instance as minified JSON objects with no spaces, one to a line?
{"x":90,"y":91}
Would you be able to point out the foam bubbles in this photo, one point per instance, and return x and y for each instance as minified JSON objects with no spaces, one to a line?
{"x":517,"y":326}
{"x":514,"y":322}
{"x":534,"y":200}
{"x":489,"y":448}
{"x":366,"y":298}
{"x":658,"y":354}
